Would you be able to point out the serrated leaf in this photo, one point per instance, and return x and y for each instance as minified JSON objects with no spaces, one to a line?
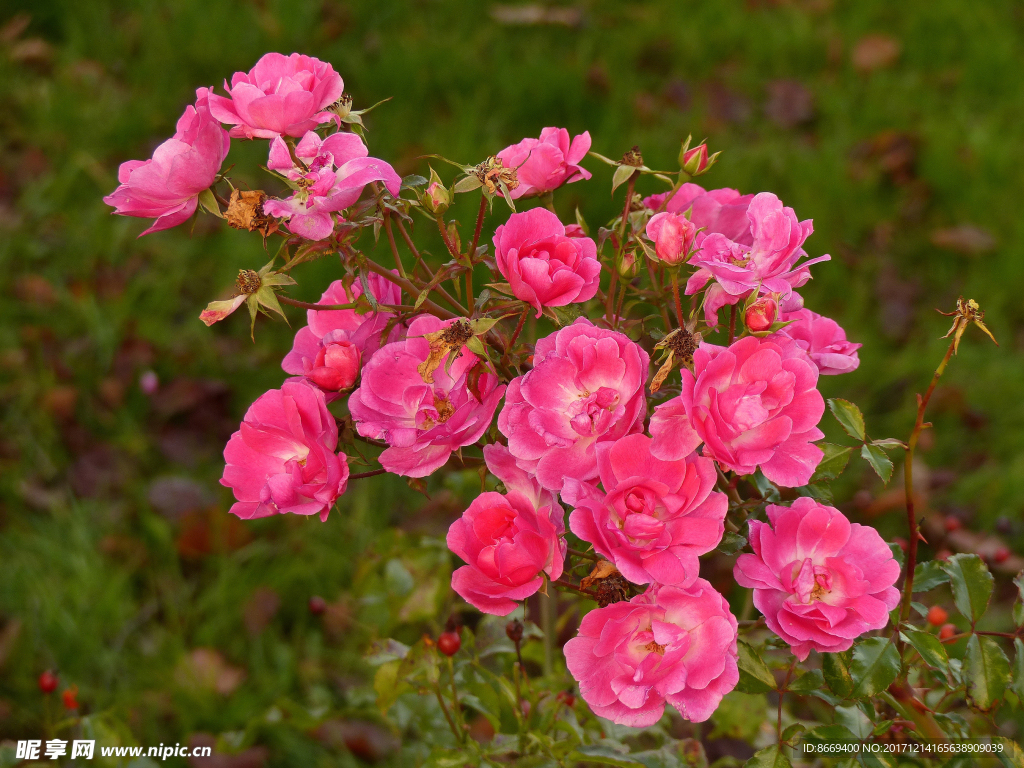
{"x":929,"y":575}
{"x":793,"y":730}
{"x":467,"y":184}
{"x":731,"y":543}
{"x":1017,"y":681}
{"x":810,"y":681}
{"x":986,"y":671}
{"x":836,"y":669}
{"x":878,"y":460}
{"x":755,"y":677}
{"x":833,"y":462}
{"x":849,"y":417}
{"x":1018,"y":604}
{"x":932,"y":651}
{"x":621,"y":176}
{"x":874,"y":666}
{"x":769,"y":757}
{"x":604,"y":755}
{"x":897,"y":552}
{"x":1012,"y":755}
{"x":889,"y":442}
{"x":971,"y":583}
{"x":830,"y":734}
{"x":414,"y":180}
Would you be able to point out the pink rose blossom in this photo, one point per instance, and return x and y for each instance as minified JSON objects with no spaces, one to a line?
{"x":545,"y":267}
{"x":768,"y":264}
{"x":760,"y":315}
{"x":507,"y":540}
{"x":823,"y":340}
{"x":720,"y":210}
{"x":422,"y":423}
{"x":329,"y":349}
{"x":167,"y":186}
{"x":280,"y":96}
{"x":337,"y":169}
{"x":545,"y":164}
{"x":282,"y":458}
{"x":819,"y":580}
{"x":672,"y":236}
{"x":651,"y":518}
{"x":670,"y":644}
{"x":586,"y":387}
{"x":574,"y":230}
{"x":753,"y":404}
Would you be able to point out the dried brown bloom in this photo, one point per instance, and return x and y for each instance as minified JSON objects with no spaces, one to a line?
{"x":448,"y":340}
{"x":681,"y":344}
{"x":248,"y":281}
{"x":493,"y":175}
{"x":966,"y":312}
{"x":610,"y":585}
{"x":633,"y":158}
{"x":245,"y":211}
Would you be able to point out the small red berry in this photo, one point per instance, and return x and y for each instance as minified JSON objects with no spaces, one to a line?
{"x":1001,"y":555}
{"x":567,"y":698}
{"x":317,"y":605}
{"x":937,"y":615}
{"x":70,"y":697}
{"x":449,"y":643}
{"x":947,"y":631}
{"x":48,"y":681}
{"x":953,"y":524}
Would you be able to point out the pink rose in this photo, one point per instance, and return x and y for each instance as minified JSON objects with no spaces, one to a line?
{"x":819,"y":580}
{"x":760,"y":315}
{"x":507,"y":540}
{"x":545,"y":164}
{"x":280,"y":96}
{"x":167,"y":186}
{"x":586,"y":387}
{"x":282,"y":458}
{"x":337,"y":169}
{"x":545,"y":267}
{"x":721,"y":210}
{"x":422,"y":423}
{"x":753,"y":404}
{"x":767,"y":264}
{"x":822,"y":339}
{"x":674,"y":644}
{"x":651,"y":518}
{"x":672,"y":236}
{"x":328,"y":350}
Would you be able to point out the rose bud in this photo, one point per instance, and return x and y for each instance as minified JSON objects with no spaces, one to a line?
{"x":48,"y":681}
{"x":628,"y":265}
{"x":436,"y":198}
{"x":937,"y":615}
{"x":696,"y":162}
{"x":449,"y":643}
{"x":317,"y":605}
{"x":760,"y":315}
{"x":672,"y":235}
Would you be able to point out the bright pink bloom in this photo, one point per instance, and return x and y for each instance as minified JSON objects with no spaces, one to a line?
{"x":720,"y":210}
{"x":547,"y":163}
{"x":753,"y":404}
{"x":819,"y":580}
{"x":651,"y":518}
{"x":545,"y":267}
{"x":280,"y":96}
{"x":672,"y":235}
{"x":586,"y":387}
{"x":337,"y":170}
{"x":670,"y":644}
{"x":768,"y":264}
{"x":507,"y":540}
{"x":167,"y":186}
{"x":760,"y":315}
{"x":422,"y":423}
{"x":282,"y":458}
{"x":328,"y":350}
{"x":823,"y":340}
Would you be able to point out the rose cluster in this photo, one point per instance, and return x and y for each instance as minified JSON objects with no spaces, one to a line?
{"x":644,"y":481}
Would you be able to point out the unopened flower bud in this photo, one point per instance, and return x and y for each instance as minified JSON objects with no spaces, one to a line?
{"x":673,"y":236}
{"x":628,"y":265}
{"x":436,"y":198}
{"x":343,"y":106}
{"x":760,"y":315}
{"x":696,"y":162}
{"x":514,"y":630}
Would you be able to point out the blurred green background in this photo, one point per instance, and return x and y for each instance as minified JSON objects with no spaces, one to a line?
{"x":897,"y":127}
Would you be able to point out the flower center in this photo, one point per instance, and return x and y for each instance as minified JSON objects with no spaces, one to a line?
{"x":655,"y":648}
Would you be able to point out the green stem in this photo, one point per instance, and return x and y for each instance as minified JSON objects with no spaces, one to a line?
{"x":732,"y":324}
{"x":675,"y":295}
{"x":549,"y":617}
{"x":391,"y":242}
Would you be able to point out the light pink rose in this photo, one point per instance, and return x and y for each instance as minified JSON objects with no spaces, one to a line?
{"x":823,"y":340}
{"x":337,"y":169}
{"x":507,"y":540}
{"x":768,"y":264}
{"x":670,"y":644}
{"x":586,"y":387}
{"x":329,"y":349}
{"x":282,"y":458}
{"x":719,"y":210}
{"x":819,"y":580}
{"x":422,"y":423}
{"x":651,"y":518}
{"x":547,"y":163}
{"x":544,"y":266}
{"x":280,"y":96}
{"x":672,"y":235}
{"x":167,"y":186}
{"x":753,"y":404}
{"x":760,"y":315}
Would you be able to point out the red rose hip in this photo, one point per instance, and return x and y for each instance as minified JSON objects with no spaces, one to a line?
{"x":449,"y":643}
{"x":947,"y":631}
{"x":937,"y":615}
{"x":48,"y":681}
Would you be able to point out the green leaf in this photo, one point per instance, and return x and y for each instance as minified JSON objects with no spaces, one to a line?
{"x":602,"y":754}
{"x":836,"y":669}
{"x":889,"y":442}
{"x":879,"y":462}
{"x":793,"y":730}
{"x":829,"y":734}
{"x":1017,"y":684}
{"x":769,"y":757}
{"x":971,"y":583}
{"x":1012,"y":755}
{"x":1018,"y":604}
{"x":755,"y":677}
{"x":833,"y":462}
{"x":849,"y":417}
{"x":875,"y":664}
{"x":932,"y":651}
{"x":581,"y":222}
{"x":413,"y":180}
{"x":209,"y":202}
{"x":621,"y":176}
{"x":929,"y":575}
{"x":987,"y":672}
{"x":467,"y":184}
{"x":811,"y":681}
{"x":731,"y":543}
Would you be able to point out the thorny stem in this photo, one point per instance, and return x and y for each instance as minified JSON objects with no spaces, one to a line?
{"x":412,"y":249}
{"x":610,"y":298}
{"x":331,"y":307}
{"x":471,"y":253}
{"x":908,"y":483}
{"x":584,"y":555}
{"x":447,"y":243}
{"x":371,"y":473}
{"x":516,"y":332}
{"x":391,"y":242}
{"x":455,"y":691}
{"x":613,"y":319}
{"x":661,"y":304}
{"x":409,"y":288}
{"x":675,"y":295}
{"x":447,"y":715}
{"x":618,"y":307}
{"x":732,"y":324}
{"x":782,"y":693}
{"x":574,"y":588}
